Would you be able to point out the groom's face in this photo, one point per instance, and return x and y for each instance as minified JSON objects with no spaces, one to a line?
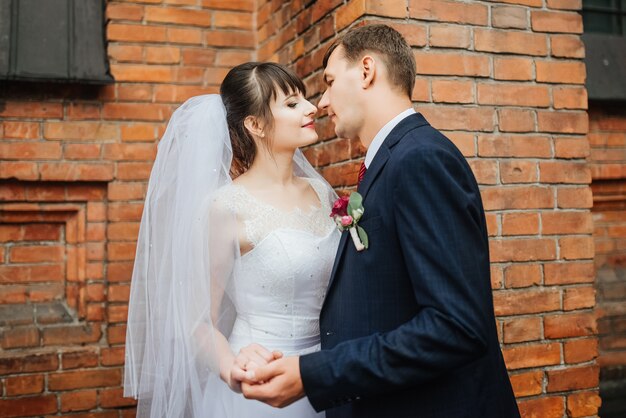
{"x":343,"y":95}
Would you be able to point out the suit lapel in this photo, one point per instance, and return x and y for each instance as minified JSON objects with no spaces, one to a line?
{"x":378,"y":163}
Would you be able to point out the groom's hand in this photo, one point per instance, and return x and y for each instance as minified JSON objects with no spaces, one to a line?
{"x":277,"y":384}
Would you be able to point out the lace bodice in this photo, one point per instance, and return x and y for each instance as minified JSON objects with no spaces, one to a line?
{"x":280,"y":285}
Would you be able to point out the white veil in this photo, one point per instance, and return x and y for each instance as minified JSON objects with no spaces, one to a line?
{"x":187,"y":254}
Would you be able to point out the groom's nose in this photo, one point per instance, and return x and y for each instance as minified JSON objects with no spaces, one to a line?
{"x":324,"y":101}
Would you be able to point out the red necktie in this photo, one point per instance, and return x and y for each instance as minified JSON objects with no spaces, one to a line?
{"x":362,"y":171}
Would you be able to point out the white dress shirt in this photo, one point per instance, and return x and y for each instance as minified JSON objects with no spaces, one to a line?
{"x":382,"y":134}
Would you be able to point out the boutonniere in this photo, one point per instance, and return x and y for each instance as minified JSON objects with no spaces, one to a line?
{"x":347,"y":211}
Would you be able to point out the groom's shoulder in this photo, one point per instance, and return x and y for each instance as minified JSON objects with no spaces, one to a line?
{"x":419,"y":135}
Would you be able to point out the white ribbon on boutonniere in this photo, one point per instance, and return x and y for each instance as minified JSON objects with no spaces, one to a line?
{"x":346,"y":212}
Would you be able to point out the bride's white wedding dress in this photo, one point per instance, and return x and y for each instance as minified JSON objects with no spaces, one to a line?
{"x":280,"y":288}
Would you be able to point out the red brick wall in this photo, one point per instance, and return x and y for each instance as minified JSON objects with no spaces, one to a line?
{"x":607,"y":137}
{"x":75,"y":164}
{"x":502,"y":79}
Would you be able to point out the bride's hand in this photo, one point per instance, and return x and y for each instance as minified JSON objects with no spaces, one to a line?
{"x":249,"y":358}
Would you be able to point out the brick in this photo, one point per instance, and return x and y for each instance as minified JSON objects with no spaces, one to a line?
{"x":518,"y":302}
{"x":567,"y":46}
{"x":162,"y":55}
{"x":30,"y":151}
{"x":112,"y":356}
{"x":532,"y":355}
{"x":522,"y":329}
{"x":583,"y":404}
{"x":95,"y":292}
{"x":577,"y":147}
{"x":513,"y":94}
{"x":133,"y":171}
{"x":348,"y":13}
{"x":24,"y":385}
{"x":84,"y":379}
{"x":18,"y":170}
{"x":31,"y":110}
{"x":28,"y":406}
{"x":459,"y":118}
{"x":561,"y":222}
{"x":81,"y":151}
{"x":570,"y":98}
{"x":136,"y":111}
{"x":75,"y":171}
{"x":562,"y":122}
{"x":33,"y":273}
{"x":246,"y":5}
{"x":520,"y":69}
{"x":114,"y":398}
{"x":36,"y":254}
{"x":527,"y":384}
{"x":119,"y":271}
{"x":136,"y":33}
{"x":514,"y":146}
{"x":452,"y":91}
{"x":232,"y":58}
{"x":117,"y":313}
{"x":119,"y":11}
{"x":565,"y":4}
{"x":574,"y":197}
{"x":509,"y":17}
{"x":120,"y":251}
{"x":130,"y":152}
{"x":123,"y":231}
{"x":545,"y":407}
{"x":146,"y":73}
{"x":125,"y":53}
{"x":521,"y":43}
{"x":230,"y":38}
{"x":561,"y":72}
{"x":125,"y":211}
{"x":71,"y":334}
{"x":126,"y":191}
{"x":558,"y":22}
{"x":522,"y":275}
{"x":449,"y":11}
{"x":116,"y":334}
{"x":575,"y":248}
{"x":184,"y":36}
{"x":79,"y":359}
{"x":119,"y":293}
{"x":573,"y":378}
{"x":518,"y":172}
{"x":449,"y":37}
{"x":138,"y":132}
{"x":21,"y":337}
{"x":569,"y":325}
{"x":520,"y":223}
{"x":579,"y":351}
{"x":516,"y":120}
{"x":522,"y":250}
{"x":517,"y":197}
{"x":439,"y":63}
{"x":158,"y":14}
{"x":21,"y":130}
{"x":485,"y":171}
{"x":568,"y":273}
{"x":28,"y":363}
{"x":84,"y":131}
{"x":232,"y":20}
{"x":83,"y":400}
{"x":134,"y":92}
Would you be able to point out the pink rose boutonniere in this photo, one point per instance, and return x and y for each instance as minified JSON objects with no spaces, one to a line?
{"x":347,"y":211}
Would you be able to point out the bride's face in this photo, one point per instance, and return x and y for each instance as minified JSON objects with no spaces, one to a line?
{"x":294,"y":123}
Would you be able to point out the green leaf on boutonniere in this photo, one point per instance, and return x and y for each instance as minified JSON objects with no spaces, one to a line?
{"x":363,"y":236}
{"x":355,"y":203}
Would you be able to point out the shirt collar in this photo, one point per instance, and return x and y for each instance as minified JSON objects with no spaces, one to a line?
{"x":382,"y":134}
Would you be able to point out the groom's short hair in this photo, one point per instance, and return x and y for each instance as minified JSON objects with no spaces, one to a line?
{"x":385,"y":41}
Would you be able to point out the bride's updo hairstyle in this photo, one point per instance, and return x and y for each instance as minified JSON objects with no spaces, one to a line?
{"x":247,"y":90}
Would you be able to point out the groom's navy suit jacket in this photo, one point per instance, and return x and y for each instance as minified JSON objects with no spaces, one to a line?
{"x":407,"y":326}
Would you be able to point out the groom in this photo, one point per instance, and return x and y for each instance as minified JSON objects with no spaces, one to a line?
{"x":407,"y":327}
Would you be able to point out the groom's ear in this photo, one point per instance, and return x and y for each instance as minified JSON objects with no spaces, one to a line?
{"x":368,"y":71}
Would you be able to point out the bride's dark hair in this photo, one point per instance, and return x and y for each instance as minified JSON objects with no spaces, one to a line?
{"x":247,"y":90}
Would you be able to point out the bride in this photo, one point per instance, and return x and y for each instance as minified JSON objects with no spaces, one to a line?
{"x":235,"y":250}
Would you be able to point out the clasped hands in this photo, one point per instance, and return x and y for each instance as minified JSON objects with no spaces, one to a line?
{"x":266,"y":376}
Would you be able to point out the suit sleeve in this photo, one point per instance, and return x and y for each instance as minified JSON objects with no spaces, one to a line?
{"x":441,"y":228}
